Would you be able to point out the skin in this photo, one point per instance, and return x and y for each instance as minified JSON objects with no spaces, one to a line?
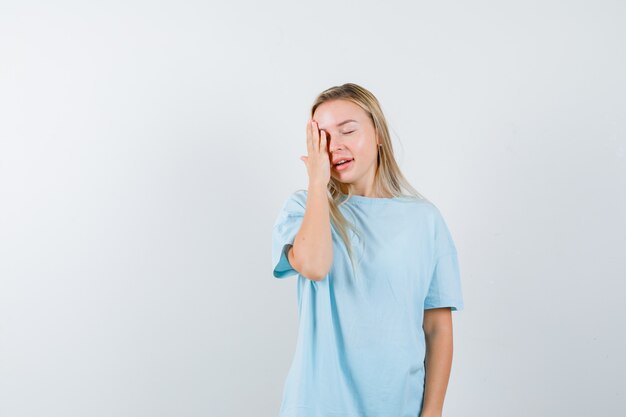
{"x":329,"y":138}
{"x":356,"y":139}
{"x":437,"y":327}
{"x":312,"y":251}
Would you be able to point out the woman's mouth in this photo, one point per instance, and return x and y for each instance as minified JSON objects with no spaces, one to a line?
{"x":345,"y":165}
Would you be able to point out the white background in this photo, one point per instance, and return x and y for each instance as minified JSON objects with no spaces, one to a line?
{"x":146,"y":148}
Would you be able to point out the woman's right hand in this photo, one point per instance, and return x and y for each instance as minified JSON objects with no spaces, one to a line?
{"x":317,"y":162}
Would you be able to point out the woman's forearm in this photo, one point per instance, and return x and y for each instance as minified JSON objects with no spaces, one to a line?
{"x":312,"y":251}
{"x":438,"y":365}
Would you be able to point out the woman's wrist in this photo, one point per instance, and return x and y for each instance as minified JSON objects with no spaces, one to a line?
{"x":317,"y":187}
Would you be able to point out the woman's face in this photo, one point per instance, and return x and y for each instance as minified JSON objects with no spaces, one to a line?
{"x":351,"y":135}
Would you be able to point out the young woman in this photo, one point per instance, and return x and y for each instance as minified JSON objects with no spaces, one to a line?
{"x":377,"y":269}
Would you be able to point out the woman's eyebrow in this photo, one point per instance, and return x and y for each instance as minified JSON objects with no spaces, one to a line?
{"x":346,"y":121}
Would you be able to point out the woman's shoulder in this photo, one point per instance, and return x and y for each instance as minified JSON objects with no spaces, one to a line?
{"x":295,"y":202}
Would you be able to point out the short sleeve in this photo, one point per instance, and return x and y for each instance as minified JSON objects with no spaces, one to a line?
{"x":285,"y":228}
{"x":445,"y":285}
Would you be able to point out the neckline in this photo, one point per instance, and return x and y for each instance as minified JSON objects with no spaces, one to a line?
{"x":372,"y":200}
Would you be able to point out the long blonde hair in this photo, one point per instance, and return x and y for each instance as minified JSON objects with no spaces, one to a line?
{"x":388,"y":178}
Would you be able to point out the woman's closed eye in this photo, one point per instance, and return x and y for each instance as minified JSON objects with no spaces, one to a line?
{"x":347,"y":133}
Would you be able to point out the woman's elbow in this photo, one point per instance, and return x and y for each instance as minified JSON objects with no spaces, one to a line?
{"x":315,"y":274}
{"x":309,"y":270}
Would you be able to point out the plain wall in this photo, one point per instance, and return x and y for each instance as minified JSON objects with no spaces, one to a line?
{"x":146,"y":148}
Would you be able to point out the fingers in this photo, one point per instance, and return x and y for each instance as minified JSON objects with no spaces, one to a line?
{"x":323,"y":141}
{"x":309,"y":136}
{"x":316,"y":137}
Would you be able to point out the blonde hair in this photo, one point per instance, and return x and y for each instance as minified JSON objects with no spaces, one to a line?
{"x":388,"y":178}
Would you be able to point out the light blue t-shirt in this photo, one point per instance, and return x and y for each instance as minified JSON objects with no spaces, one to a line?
{"x":360,"y":347}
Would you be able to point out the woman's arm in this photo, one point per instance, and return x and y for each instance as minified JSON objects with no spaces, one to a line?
{"x":312,"y":250}
{"x":438,"y":331}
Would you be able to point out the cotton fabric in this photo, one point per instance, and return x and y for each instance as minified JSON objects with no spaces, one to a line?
{"x":360,"y":347}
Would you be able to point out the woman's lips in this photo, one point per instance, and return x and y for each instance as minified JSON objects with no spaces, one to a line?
{"x":344,"y":166}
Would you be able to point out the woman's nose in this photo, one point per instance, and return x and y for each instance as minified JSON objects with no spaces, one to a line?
{"x":333,"y":141}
